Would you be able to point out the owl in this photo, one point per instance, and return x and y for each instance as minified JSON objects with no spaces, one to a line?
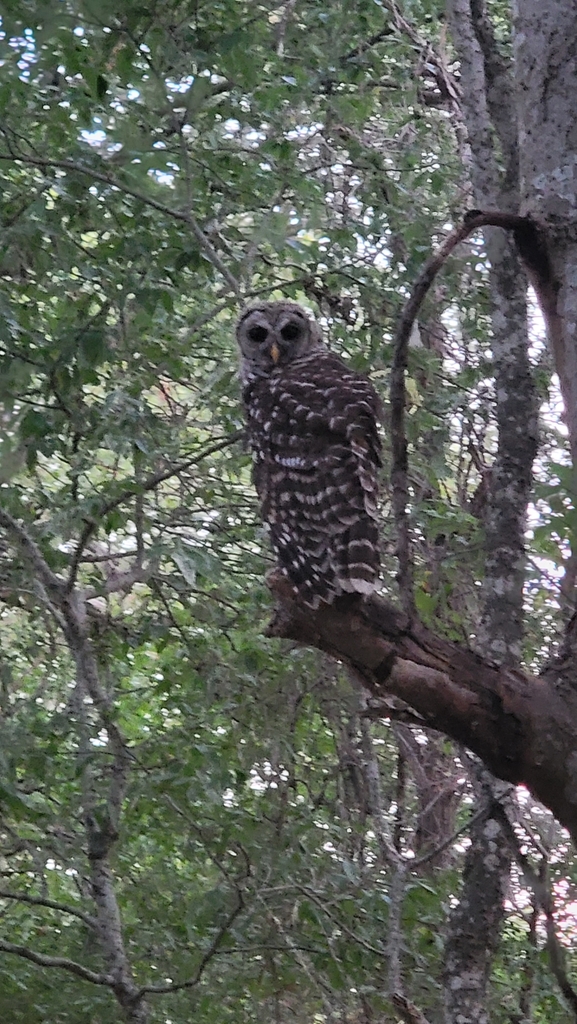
{"x":312,"y":425}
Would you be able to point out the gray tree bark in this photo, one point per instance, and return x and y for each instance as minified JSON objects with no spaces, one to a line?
{"x":102,"y":798}
{"x":546,"y":99}
{"x":475,"y":924}
{"x":489,"y":114}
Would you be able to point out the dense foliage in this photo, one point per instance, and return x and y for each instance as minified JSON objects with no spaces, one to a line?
{"x":161,"y":166}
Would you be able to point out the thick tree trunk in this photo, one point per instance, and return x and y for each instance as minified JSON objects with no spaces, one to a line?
{"x":546,"y":93}
{"x":476,"y":921}
{"x":489,"y":114}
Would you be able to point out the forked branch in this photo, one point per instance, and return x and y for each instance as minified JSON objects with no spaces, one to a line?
{"x":531,"y":243}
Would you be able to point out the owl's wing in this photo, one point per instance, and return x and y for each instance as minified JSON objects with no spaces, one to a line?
{"x":317,"y":455}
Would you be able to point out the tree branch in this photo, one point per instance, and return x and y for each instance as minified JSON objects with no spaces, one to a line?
{"x":522,"y":728}
{"x":38,"y":901}
{"x":106,"y":179}
{"x":138,"y":487}
{"x":207,"y":956}
{"x":57,"y":961}
{"x":32,"y":553}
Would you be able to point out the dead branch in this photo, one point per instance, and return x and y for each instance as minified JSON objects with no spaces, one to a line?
{"x":408,"y":1011}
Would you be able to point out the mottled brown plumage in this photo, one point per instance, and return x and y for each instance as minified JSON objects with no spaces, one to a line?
{"x":312,"y":424}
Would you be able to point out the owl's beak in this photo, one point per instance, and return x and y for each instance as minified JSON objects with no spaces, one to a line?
{"x":275,"y":352}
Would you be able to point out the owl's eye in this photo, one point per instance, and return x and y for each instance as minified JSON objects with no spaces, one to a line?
{"x":257,"y":334}
{"x":290,"y":331}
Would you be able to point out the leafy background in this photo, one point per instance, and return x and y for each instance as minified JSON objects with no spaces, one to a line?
{"x":160,"y":167}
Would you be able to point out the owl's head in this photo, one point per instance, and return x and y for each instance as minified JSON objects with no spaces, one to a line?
{"x":273,"y":334}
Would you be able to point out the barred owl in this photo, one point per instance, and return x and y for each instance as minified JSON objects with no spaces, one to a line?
{"x":312,"y":424}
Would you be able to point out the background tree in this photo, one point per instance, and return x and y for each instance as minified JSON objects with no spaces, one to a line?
{"x":198,"y":819}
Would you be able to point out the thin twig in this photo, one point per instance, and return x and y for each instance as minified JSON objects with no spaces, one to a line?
{"x":207,"y":956}
{"x":544,"y":899}
{"x":106,"y":179}
{"x":139,"y":487}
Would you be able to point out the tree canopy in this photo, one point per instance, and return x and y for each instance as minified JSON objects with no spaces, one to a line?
{"x":215,"y":805}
